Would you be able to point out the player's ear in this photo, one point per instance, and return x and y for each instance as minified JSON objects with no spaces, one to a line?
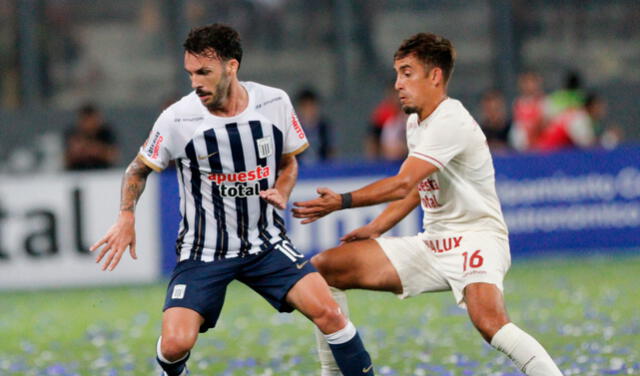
{"x":435,"y":76}
{"x":232,"y":66}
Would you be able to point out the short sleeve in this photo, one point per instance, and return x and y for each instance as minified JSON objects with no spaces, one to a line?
{"x":441,"y":141}
{"x":295,"y":140}
{"x":156,"y":152}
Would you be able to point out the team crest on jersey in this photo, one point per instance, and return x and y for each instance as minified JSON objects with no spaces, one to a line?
{"x":265,"y":147}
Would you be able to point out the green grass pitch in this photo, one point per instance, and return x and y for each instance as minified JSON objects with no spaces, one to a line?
{"x":585,"y":311}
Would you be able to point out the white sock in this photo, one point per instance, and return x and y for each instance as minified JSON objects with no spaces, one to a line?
{"x":343,"y":335}
{"x":328,"y":365}
{"x":527,"y":354}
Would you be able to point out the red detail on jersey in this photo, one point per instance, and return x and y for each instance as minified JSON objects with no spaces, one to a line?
{"x":429,"y":157}
{"x":156,"y":147}
{"x":242,"y":177}
{"x":428,"y":185}
{"x":430,"y":203}
{"x":296,"y":126}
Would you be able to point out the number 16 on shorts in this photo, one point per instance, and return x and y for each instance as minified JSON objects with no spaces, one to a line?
{"x":473,"y":261}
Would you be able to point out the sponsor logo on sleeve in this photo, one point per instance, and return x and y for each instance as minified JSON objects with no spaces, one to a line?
{"x":296,"y":126}
{"x":153,"y":147}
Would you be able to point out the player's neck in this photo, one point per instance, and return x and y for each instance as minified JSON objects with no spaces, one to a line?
{"x":237,"y":101}
{"x":431,"y":105}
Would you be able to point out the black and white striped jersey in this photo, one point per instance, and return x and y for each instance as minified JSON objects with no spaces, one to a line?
{"x":222,"y":165}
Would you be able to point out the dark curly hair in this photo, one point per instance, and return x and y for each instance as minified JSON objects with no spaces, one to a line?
{"x":220,"y":39}
{"x":433,"y":50}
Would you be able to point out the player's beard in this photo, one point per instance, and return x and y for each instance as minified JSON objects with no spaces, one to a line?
{"x":410,"y":110}
{"x":220,"y":94}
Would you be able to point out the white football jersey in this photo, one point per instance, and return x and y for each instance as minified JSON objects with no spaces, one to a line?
{"x":461,"y":195}
{"x":222,"y":165}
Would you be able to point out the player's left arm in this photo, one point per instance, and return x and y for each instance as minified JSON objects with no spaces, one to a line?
{"x":287,"y":176}
{"x":412,"y":171}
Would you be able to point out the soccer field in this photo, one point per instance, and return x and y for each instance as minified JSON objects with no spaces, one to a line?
{"x":584,"y":310}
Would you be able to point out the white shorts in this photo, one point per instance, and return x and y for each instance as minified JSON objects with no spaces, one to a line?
{"x":450,"y":262}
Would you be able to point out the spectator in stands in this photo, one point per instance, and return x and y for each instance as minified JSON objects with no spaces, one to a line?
{"x":90,"y":142}
{"x":570,"y":96}
{"x":494,"y":121}
{"x":383,"y":114}
{"x":611,"y":137}
{"x":528,"y":111}
{"x":316,"y":126}
{"x":393,"y":140}
{"x":574,"y":127}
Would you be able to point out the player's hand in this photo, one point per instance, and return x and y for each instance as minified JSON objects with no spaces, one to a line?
{"x":120,"y":236}
{"x":274,"y":197}
{"x":365,"y":232}
{"x":315,"y":209}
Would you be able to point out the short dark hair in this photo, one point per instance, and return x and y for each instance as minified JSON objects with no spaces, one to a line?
{"x":222,"y":39}
{"x":307,"y":94}
{"x":433,"y":50}
{"x":592,"y":99}
{"x":88,"y":109}
{"x":572,"y":80}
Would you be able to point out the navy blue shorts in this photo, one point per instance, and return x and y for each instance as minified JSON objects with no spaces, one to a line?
{"x":201,"y":286}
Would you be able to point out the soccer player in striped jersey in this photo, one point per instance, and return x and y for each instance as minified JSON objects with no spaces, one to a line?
{"x":234,"y":145}
{"x":449,"y":171}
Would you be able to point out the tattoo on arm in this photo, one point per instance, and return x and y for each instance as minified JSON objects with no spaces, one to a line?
{"x":133,"y":182}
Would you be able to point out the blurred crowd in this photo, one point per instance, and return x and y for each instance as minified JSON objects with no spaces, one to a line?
{"x":569,"y":117}
{"x":536,"y":121}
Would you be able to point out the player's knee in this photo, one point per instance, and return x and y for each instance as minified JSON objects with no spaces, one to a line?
{"x":329,"y":319}
{"x":321,"y":263}
{"x":334,"y":277}
{"x":175,"y":345}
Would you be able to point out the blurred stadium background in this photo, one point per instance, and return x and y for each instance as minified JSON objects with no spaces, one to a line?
{"x":574,"y":215}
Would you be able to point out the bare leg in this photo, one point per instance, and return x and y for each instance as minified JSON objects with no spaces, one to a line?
{"x":485,"y":305}
{"x":360,"y":264}
{"x":180,"y":327}
{"x":312,"y":298}
{"x":328,"y":365}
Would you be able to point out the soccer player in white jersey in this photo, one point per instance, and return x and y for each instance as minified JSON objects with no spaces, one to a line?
{"x":449,"y":171}
{"x":234,"y":144}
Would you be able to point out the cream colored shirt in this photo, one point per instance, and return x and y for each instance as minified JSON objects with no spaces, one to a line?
{"x":461,"y":195}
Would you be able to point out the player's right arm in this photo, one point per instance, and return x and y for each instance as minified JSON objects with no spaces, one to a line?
{"x":122,"y":234}
{"x":154,"y":155}
{"x":391,"y":215}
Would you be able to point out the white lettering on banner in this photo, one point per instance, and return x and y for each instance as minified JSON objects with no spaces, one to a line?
{"x":563,"y":188}
{"x":326,"y":232}
{"x":628,"y":183}
{"x":47,"y":224}
{"x":574,"y":217}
